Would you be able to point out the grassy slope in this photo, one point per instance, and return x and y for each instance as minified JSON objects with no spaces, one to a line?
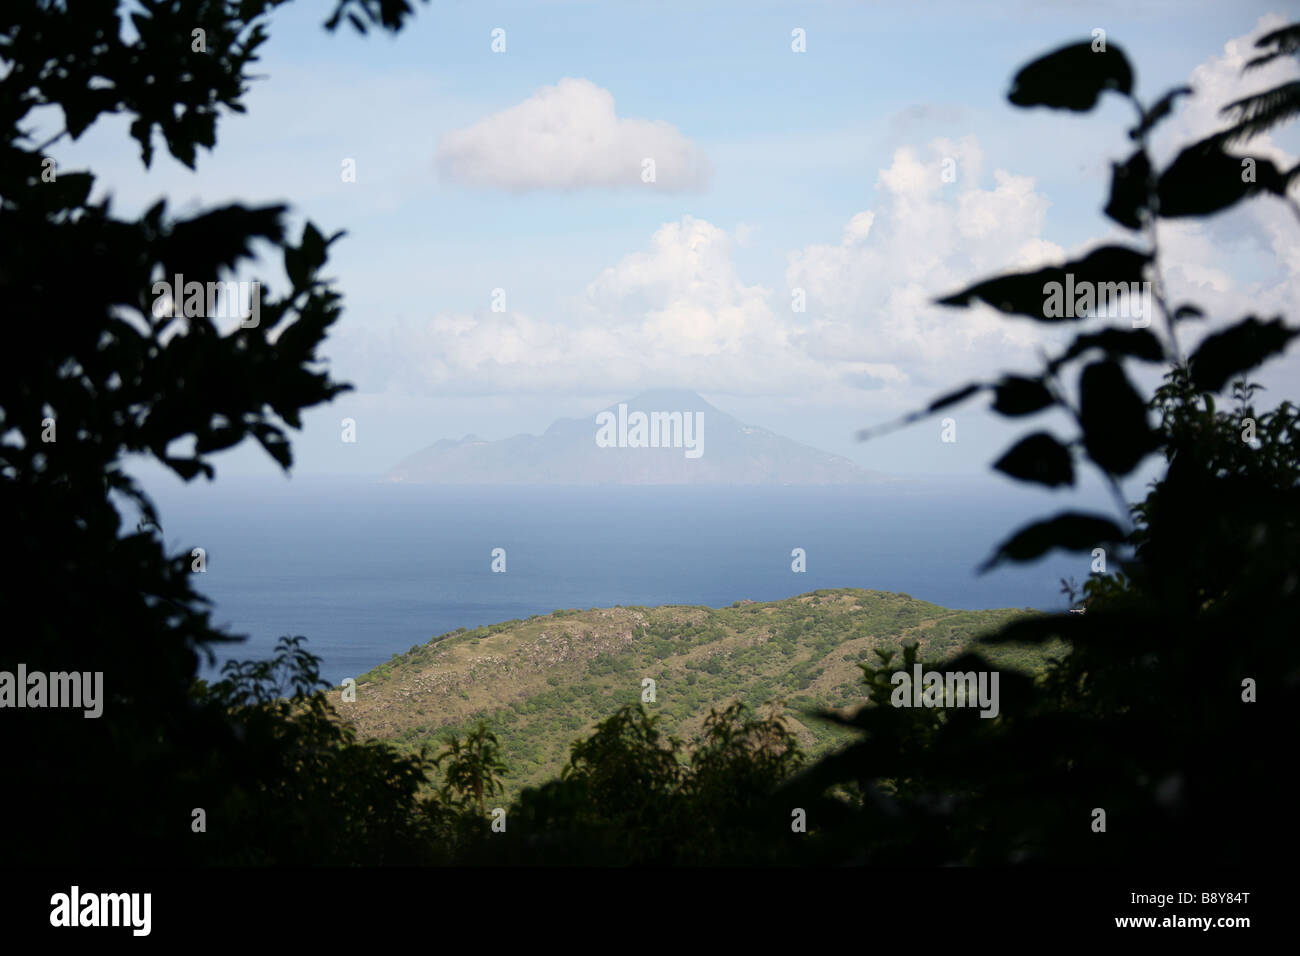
{"x":545,"y":682}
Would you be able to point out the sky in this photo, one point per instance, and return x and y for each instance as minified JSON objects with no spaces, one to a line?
{"x":516,"y":177}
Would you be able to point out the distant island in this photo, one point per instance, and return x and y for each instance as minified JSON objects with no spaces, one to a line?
{"x":663,"y":437}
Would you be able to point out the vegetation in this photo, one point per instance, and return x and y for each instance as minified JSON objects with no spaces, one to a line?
{"x":92,"y":373}
{"x":1150,"y":740}
{"x":1162,"y":709}
{"x":541,"y":684}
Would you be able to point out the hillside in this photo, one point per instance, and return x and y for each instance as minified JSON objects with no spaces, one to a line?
{"x":544,"y":682}
{"x":664,"y":437}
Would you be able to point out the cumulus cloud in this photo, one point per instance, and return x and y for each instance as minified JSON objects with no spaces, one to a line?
{"x":1219,"y":81}
{"x":1215,"y":262}
{"x":568,"y":137}
{"x":674,"y":314}
{"x":871,"y":294}
{"x":679,"y":313}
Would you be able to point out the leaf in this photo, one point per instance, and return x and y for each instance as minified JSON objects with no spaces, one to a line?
{"x":68,"y":191}
{"x":295,"y":266}
{"x":217,"y":439}
{"x":1039,"y":458}
{"x":1047,"y":294}
{"x":1129,"y":190}
{"x":1203,"y":179}
{"x":276,"y":445}
{"x":952,"y":398}
{"x":1286,"y":40}
{"x":943,"y":401}
{"x":1259,"y":112}
{"x":1158,"y":112}
{"x":313,"y":247}
{"x":219,"y":238}
{"x":1114,"y":418}
{"x":1070,"y":530}
{"x":1131,"y":343}
{"x":1036,"y":630}
{"x":1016,"y":395}
{"x":1234,"y":350}
{"x":1072,"y":78}
{"x":188,"y":468}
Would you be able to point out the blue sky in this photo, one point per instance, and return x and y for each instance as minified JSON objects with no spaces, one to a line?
{"x":778,"y":170}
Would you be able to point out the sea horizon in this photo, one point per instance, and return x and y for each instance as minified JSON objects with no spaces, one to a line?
{"x":366,"y":569}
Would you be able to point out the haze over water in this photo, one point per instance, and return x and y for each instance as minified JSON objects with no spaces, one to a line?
{"x":367,"y":569}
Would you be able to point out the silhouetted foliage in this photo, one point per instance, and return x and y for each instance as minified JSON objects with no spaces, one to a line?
{"x":93,"y":372}
{"x":630,"y":795}
{"x":1148,"y":716}
{"x":1143,"y":717}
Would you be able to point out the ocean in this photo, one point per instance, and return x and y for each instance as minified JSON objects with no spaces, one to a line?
{"x":366,"y":570}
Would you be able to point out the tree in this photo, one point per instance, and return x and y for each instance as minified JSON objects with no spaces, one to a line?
{"x":471,"y":770}
{"x":99,"y":366}
{"x":1152,"y":716}
{"x":629,"y":795}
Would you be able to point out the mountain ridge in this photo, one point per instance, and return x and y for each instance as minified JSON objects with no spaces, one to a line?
{"x":679,"y":438}
{"x":543,"y":682}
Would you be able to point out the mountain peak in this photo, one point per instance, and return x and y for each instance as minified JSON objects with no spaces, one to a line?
{"x":667,"y":400}
{"x":662,"y":436}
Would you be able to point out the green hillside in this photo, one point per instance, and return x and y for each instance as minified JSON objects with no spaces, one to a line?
{"x":544,"y":682}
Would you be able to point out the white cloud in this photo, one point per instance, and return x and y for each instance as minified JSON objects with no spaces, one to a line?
{"x":1218,"y":82}
{"x":678,"y":313}
{"x":1245,"y":260}
{"x":675,"y":314}
{"x":871,"y":297}
{"x":568,"y":137}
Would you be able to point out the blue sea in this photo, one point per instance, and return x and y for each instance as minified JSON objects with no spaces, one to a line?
{"x":366,"y":570}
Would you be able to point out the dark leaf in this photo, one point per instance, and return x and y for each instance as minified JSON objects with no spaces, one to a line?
{"x":1114,"y":418}
{"x":1036,"y":630}
{"x":188,"y":468}
{"x":1071,"y":531}
{"x":68,"y":191}
{"x":1052,"y":294}
{"x":1128,"y":190}
{"x":1286,"y":41}
{"x":276,"y":445}
{"x":1203,"y":179}
{"x":1235,"y":350}
{"x":313,"y":247}
{"x":219,"y":239}
{"x":943,"y":401}
{"x":219,"y":438}
{"x":1039,"y":458}
{"x":1259,"y":112}
{"x":952,"y":398}
{"x":1159,"y":111}
{"x":1072,"y":78}
{"x":1015,"y":395}
{"x":1129,"y":343}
